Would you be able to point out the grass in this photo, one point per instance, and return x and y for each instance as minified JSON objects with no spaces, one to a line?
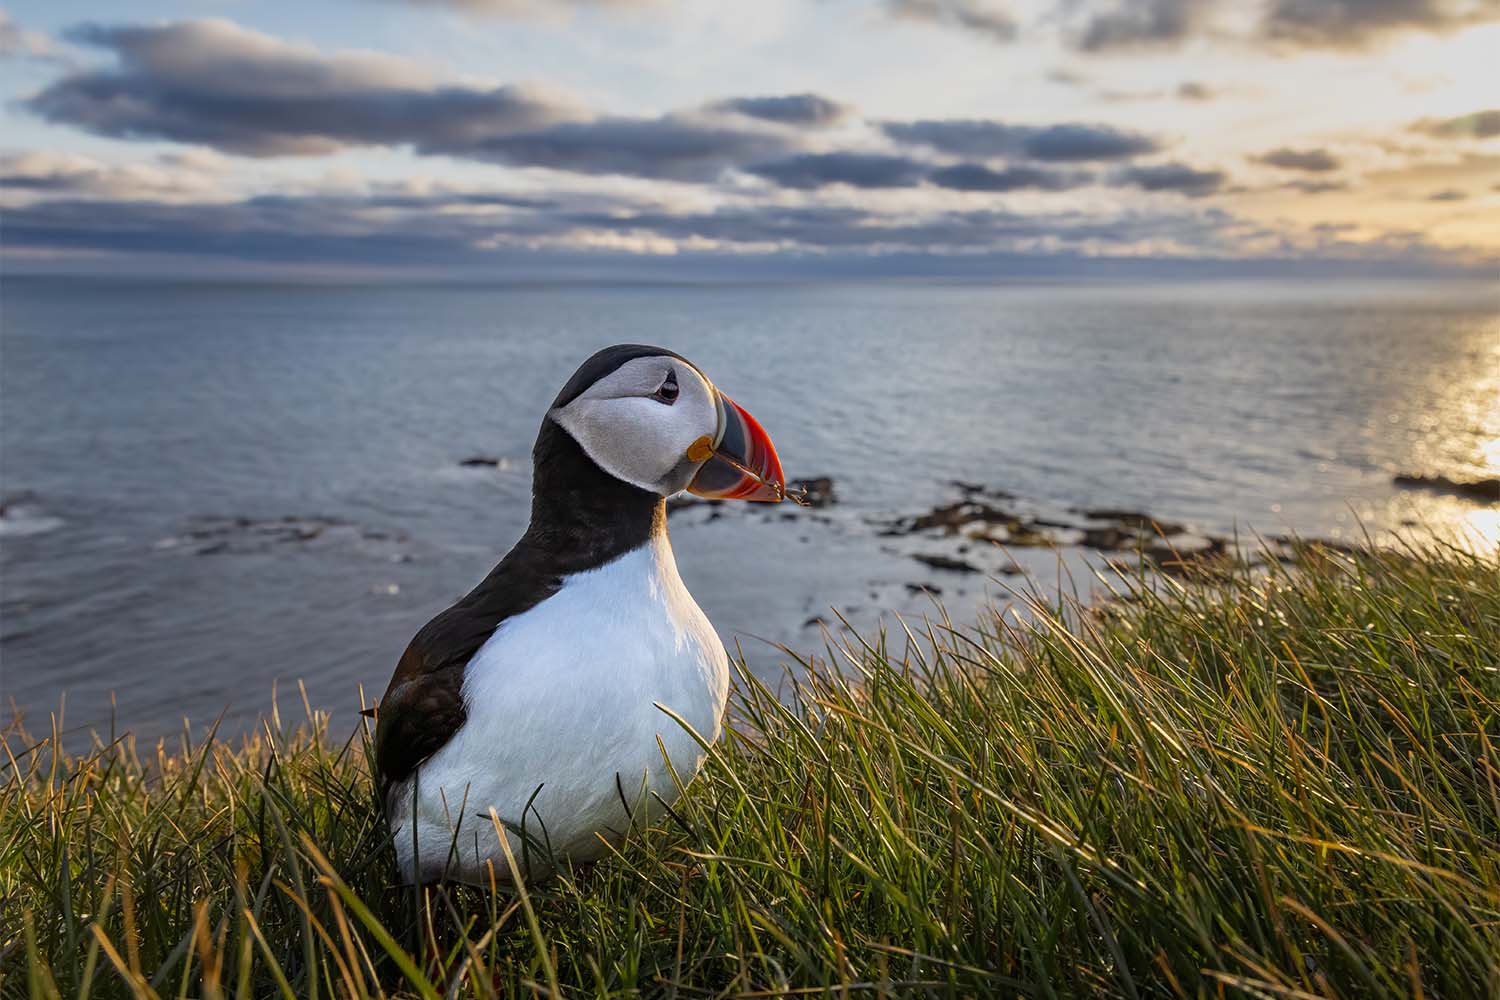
{"x":1267,"y":784}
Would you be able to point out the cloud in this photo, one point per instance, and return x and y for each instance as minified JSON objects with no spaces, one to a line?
{"x":1315,"y":187}
{"x":670,"y":147}
{"x":862,"y":170}
{"x":1359,"y":23}
{"x":444,"y":227}
{"x":520,"y":8}
{"x":1478,"y":125}
{"x":1138,"y":23}
{"x":1448,"y":194}
{"x":1176,"y":177}
{"x":1192,"y":90}
{"x":977,"y":177}
{"x":1059,"y":143}
{"x":1313,"y":161}
{"x":215,"y":83}
{"x":791,"y":109}
{"x":18,"y":43}
{"x":190,"y":176}
{"x":990,"y":19}
{"x":876,"y":170}
{"x":480,"y":232}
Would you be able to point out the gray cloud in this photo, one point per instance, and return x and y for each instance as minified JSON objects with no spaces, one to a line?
{"x":1138,"y":23}
{"x":989,"y":18}
{"x":790,"y":109}
{"x":439,"y":233}
{"x":394,"y":228}
{"x":1479,"y":125}
{"x":1313,"y":161}
{"x":1073,"y":142}
{"x":977,"y":177}
{"x":1357,"y":23}
{"x":1316,"y":187}
{"x":1176,"y":177}
{"x":1449,"y":194}
{"x":216,"y":83}
{"x":670,"y":147}
{"x":1192,"y":90}
{"x":863,"y":170}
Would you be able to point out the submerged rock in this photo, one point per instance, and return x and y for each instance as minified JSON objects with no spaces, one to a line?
{"x":1482,"y":490}
{"x":939,"y":561}
{"x":1134,"y":519}
{"x":212,"y":535}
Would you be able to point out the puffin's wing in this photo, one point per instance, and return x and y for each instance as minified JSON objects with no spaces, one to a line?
{"x":423,"y":706}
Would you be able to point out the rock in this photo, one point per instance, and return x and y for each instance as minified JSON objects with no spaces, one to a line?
{"x":1134,"y":519}
{"x":940,"y":561}
{"x":483,"y":461}
{"x":1187,"y":561}
{"x":979,"y":489}
{"x":1481,"y":490}
{"x":953,"y":516}
{"x":925,"y":588}
{"x":1010,"y":569}
{"x":817,"y":491}
{"x":817,"y":620}
{"x":1025,"y":536}
{"x":1108,"y":539}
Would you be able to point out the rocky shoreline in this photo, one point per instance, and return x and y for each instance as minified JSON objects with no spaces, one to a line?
{"x":982,"y":531}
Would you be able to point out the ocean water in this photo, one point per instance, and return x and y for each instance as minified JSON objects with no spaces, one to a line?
{"x":214,"y":488}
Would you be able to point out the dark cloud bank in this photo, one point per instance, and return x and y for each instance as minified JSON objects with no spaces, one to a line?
{"x":430,"y":236}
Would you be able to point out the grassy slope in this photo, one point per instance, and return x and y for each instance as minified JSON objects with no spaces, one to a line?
{"x":1262,"y":786}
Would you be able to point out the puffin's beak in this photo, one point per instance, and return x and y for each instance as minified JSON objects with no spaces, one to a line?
{"x":741,"y":461}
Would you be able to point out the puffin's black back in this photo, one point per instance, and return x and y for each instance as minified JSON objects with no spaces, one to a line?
{"x":581,"y":518}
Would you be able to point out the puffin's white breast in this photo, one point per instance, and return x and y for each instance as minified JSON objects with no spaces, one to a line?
{"x":564,"y":697}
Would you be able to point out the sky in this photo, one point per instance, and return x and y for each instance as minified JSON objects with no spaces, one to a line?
{"x":693,"y":138}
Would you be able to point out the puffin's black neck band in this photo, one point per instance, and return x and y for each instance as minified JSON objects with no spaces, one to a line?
{"x":581,"y":516}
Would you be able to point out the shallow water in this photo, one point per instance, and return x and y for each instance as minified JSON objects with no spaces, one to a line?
{"x":141,"y":420}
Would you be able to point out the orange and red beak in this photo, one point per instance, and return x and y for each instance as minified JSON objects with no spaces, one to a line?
{"x":741,"y":462}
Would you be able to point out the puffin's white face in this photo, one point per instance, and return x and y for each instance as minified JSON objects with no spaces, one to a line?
{"x":638,"y":422}
{"x":657,"y":423}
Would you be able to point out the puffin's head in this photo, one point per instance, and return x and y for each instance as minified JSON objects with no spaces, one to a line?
{"x":648,"y":417}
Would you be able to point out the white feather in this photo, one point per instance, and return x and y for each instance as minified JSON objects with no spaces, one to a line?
{"x":565,"y":697}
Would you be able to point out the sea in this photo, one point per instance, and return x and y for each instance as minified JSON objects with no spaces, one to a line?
{"x":217,"y":491}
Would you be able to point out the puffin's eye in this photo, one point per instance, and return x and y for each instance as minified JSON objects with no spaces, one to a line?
{"x":668,"y":391}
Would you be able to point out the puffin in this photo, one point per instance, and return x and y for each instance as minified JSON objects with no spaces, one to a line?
{"x":556,"y":704}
